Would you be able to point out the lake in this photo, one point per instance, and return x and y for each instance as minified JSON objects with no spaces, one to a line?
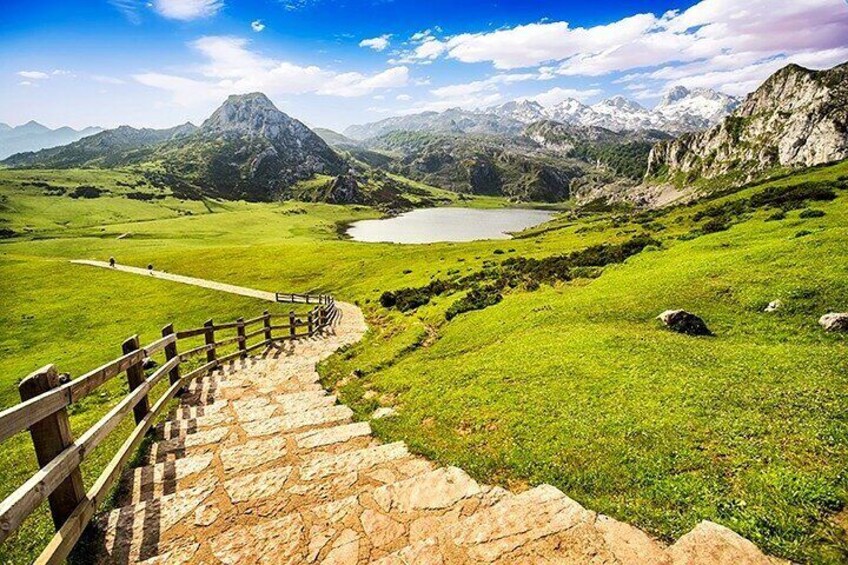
{"x":429,"y":225}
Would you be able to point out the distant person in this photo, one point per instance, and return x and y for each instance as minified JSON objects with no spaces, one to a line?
{"x":112,"y":262}
{"x":150,"y":268}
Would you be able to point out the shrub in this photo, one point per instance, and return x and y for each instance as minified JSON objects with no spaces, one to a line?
{"x":779,"y":215}
{"x":477,"y":299}
{"x":808,"y":213}
{"x":85,"y":191}
{"x":794,"y":196}
{"x":714,"y":225}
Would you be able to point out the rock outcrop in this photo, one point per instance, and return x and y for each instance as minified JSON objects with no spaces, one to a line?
{"x":797,"y":118}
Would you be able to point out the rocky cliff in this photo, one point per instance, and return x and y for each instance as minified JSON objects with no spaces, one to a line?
{"x":797,"y":118}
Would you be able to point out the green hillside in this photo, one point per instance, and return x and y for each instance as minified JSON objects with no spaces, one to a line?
{"x":573,"y":383}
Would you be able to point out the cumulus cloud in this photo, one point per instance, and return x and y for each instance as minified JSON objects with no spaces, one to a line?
{"x":704,"y":44}
{"x":257,"y":25}
{"x":376,"y":43}
{"x":403,"y":97}
{"x":231,"y":67}
{"x":33,"y":75}
{"x":186,"y":10}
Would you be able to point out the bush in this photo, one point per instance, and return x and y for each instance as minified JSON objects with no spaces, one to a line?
{"x":714,"y":225}
{"x":477,"y":299}
{"x":795,"y":196}
{"x":85,"y":191}
{"x":779,"y":215}
{"x":808,"y":213}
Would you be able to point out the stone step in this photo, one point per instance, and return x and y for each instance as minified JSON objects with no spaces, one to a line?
{"x":538,"y":525}
{"x":184,"y":426}
{"x":713,"y":544}
{"x":161,"y":479}
{"x":322,"y":466}
{"x":133,"y":533}
{"x":180,"y":446}
{"x":264,"y":407}
{"x":297,"y":421}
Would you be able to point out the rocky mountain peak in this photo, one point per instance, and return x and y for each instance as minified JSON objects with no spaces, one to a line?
{"x":250,"y":115}
{"x":797,"y":118}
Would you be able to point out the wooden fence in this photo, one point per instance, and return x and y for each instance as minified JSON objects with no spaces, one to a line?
{"x":46,"y":396}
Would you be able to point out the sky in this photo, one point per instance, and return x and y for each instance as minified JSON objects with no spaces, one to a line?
{"x":329,"y":63}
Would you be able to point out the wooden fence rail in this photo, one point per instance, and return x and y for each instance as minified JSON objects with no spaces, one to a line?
{"x":45,"y":397}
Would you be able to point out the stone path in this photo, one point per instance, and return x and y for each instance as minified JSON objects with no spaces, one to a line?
{"x":223,"y":287}
{"x":259,"y":464}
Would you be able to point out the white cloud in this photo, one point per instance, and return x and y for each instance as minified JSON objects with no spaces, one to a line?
{"x":129,"y":8}
{"x":231,"y":68}
{"x":103,"y":79}
{"x":403,"y":97}
{"x":186,"y":10}
{"x":33,"y":75}
{"x":705,"y":44}
{"x":376,"y":43}
{"x":489,"y":84}
{"x":557,"y":94}
{"x":26,"y":83}
{"x":257,"y":25}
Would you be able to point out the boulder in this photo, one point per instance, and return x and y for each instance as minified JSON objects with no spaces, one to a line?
{"x":834,"y":322}
{"x":712,"y":543}
{"x":773,"y":306}
{"x":684,"y":322}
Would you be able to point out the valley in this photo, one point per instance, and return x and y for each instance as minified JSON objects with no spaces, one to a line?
{"x":572,"y":383}
{"x":533,"y":356}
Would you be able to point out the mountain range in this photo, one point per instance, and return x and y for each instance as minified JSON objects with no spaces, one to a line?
{"x":33,"y":136}
{"x":613,"y":150}
{"x":680,"y":110}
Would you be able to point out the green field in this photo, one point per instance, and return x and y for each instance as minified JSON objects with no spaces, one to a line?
{"x":575,"y":383}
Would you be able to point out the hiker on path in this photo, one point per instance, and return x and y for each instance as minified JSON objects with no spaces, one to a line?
{"x":112,"y":262}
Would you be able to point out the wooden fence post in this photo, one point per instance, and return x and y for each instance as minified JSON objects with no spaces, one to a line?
{"x":210,"y":340}
{"x":292,"y":324}
{"x":170,"y":353}
{"x":309,"y":321}
{"x":50,"y":437}
{"x":267,"y":324}
{"x":242,"y":341}
{"x":135,"y":378}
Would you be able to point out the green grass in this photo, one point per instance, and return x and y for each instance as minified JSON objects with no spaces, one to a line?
{"x":576,"y":385}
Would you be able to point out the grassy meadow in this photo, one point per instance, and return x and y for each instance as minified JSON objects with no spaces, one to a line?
{"x":575,"y":383}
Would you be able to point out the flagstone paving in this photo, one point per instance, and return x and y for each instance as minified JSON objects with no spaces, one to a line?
{"x":259,"y":464}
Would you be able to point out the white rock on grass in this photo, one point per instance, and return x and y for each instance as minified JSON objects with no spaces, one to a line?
{"x":773,"y":306}
{"x":834,"y":322}
{"x":384,"y":412}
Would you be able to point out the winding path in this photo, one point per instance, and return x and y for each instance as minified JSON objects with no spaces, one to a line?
{"x":259,"y":464}
{"x":223,"y":287}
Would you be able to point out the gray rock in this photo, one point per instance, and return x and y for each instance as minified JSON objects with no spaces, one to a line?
{"x":834,"y":322}
{"x":684,"y":322}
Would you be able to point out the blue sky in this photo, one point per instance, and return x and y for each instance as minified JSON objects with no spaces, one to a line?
{"x":157,"y":63}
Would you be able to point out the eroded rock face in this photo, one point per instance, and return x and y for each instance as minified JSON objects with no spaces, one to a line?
{"x":834,"y":322}
{"x":684,"y":322}
{"x":797,"y":118}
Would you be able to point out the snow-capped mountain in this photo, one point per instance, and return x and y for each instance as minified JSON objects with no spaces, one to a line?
{"x":698,"y":108}
{"x":681,"y":110}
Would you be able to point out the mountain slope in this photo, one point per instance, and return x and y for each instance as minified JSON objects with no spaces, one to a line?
{"x":112,"y":147}
{"x":797,"y":118}
{"x":33,"y":136}
{"x":249,"y":149}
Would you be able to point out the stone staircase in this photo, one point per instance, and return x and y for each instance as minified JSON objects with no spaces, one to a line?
{"x":259,"y":464}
